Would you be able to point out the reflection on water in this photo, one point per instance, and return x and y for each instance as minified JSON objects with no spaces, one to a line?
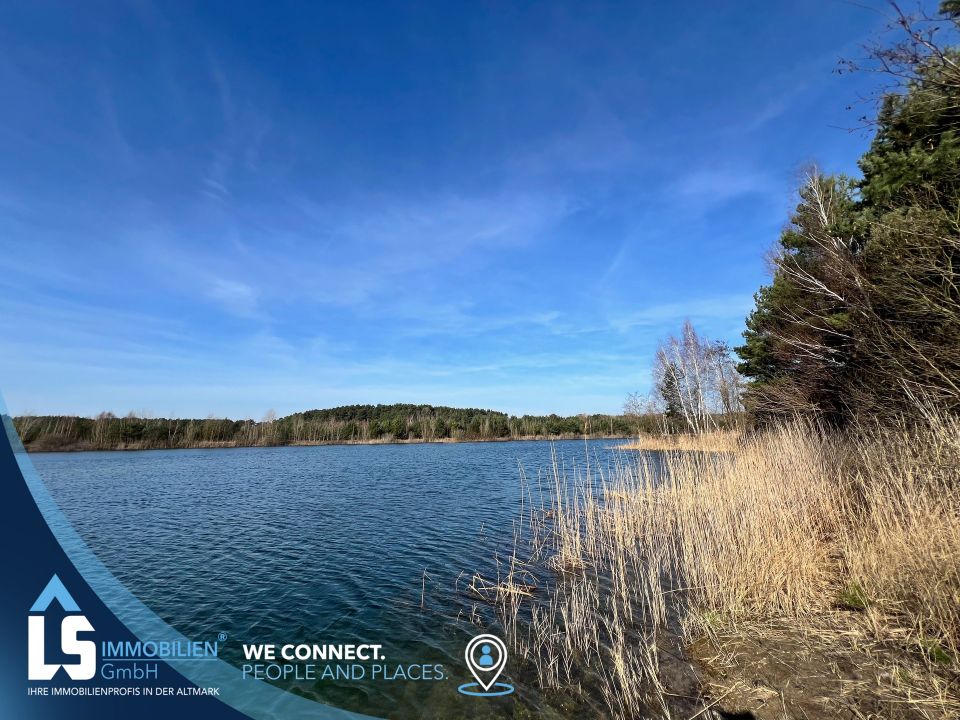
{"x":337,"y":544}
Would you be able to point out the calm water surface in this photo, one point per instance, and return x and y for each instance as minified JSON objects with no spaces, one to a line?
{"x":316,"y":544}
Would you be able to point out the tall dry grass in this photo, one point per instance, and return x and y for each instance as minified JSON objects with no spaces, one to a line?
{"x":640,"y":560}
{"x":713,"y":441}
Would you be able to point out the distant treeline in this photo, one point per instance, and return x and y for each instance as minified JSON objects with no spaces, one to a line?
{"x":347,"y":424}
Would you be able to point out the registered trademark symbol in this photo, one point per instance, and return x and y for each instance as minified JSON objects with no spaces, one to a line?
{"x":222,"y":636}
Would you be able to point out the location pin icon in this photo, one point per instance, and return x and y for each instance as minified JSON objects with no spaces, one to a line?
{"x":486,"y":656}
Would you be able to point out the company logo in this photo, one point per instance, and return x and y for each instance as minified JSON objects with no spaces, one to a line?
{"x":486,"y":656}
{"x":73,"y":624}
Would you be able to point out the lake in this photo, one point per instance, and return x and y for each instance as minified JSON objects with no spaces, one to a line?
{"x":343,"y":544}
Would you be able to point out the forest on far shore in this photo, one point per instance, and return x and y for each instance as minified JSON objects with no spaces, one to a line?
{"x":346,"y":424}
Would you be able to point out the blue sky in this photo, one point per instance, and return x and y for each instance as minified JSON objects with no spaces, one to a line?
{"x":222,"y":208}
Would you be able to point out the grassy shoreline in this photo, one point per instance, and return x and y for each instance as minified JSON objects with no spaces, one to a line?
{"x":231,"y":444}
{"x":716,"y":441}
{"x":344,"y":425}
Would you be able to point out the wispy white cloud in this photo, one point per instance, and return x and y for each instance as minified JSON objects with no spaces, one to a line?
{"x":724,"y":307}
{"x":351,"y":255}
{"x":715,"y":185}
{"x":236,"y":297}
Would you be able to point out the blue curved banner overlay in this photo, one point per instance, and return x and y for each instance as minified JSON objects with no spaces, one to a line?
{"x":52,"y":576}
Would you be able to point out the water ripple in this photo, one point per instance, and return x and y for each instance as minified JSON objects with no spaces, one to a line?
{"x":309,"y":544}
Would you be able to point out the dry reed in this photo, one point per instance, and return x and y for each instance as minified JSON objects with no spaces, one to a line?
{"x":715,"y":441}
{"x":853,"y":543}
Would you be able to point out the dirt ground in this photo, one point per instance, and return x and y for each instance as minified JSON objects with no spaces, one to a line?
{"x":831,"y":667}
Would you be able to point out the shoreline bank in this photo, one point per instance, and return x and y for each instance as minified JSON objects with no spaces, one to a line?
{"x":715,"y":441}
{"x":233,"y":445}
